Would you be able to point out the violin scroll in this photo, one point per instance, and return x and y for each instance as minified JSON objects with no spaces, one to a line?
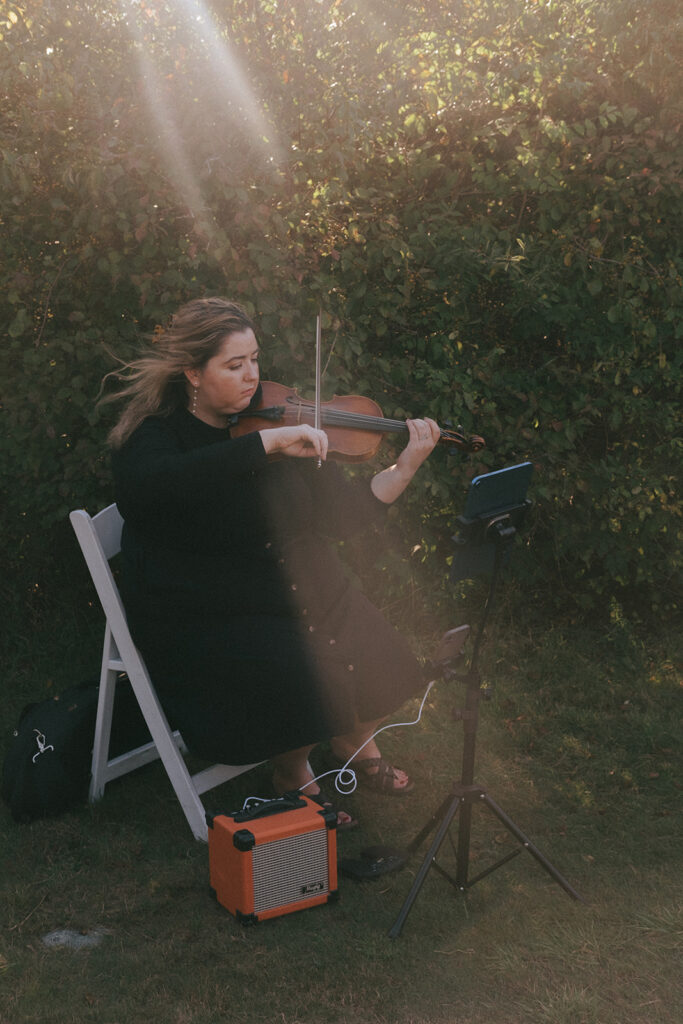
{"x":458,"y":440}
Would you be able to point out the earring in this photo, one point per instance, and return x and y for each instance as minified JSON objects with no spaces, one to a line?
{"x":195,"y":393}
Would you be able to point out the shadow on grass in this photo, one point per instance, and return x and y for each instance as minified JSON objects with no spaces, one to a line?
{"x":579,"y":745}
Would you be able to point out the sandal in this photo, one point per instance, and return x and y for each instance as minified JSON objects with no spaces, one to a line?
{"x":382,"y":781}
{"x":324,"y":801}
{"x":344,"y":820}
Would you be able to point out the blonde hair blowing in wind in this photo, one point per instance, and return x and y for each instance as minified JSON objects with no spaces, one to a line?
{"x":155,"y":384}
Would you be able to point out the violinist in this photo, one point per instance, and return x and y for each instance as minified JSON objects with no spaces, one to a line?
{"x":259,"y":645}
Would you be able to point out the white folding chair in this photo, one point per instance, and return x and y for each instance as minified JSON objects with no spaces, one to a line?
{"x":100,"y":539}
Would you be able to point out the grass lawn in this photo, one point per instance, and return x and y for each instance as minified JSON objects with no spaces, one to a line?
{"x":579,"y":745}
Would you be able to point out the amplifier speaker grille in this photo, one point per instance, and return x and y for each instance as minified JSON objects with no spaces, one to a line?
{"x":290,"y":870}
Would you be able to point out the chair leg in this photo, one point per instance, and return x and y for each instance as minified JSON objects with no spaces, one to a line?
{"x":171,"y":757}
{"x":105,"y":711}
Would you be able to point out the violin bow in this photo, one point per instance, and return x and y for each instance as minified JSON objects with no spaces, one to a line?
{"x":317,"y":419}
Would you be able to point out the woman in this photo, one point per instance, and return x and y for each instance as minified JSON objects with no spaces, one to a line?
{"x":257,"y":643}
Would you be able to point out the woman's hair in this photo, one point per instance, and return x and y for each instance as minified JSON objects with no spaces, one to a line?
{"x":155,"y":384}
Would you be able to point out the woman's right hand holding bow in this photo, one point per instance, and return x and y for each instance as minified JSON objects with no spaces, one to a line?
{"x":301,"y":441}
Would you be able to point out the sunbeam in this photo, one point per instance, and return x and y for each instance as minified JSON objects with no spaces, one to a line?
{"x":229,"y":78}
{"x":199,"y":100}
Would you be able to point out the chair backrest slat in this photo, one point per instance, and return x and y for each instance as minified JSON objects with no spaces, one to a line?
{"x":108,"y":524}
{"x":100,"y":540}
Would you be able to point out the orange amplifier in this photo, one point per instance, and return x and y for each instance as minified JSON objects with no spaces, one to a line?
{"x":274,"y":858}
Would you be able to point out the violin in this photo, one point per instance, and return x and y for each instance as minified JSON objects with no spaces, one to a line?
{"x":354,"y":425}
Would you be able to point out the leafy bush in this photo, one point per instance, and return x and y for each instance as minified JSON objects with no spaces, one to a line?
{"x":485,"y":201}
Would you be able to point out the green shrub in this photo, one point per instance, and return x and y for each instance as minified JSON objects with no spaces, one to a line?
{"x":485,"y":203}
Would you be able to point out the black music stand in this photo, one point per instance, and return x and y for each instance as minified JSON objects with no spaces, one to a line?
{"x":495,"y":508}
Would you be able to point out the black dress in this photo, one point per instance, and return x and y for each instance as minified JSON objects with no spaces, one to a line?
{"x":255,"y":638}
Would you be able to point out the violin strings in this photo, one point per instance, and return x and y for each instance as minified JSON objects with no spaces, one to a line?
{"x":342,"y":418}
{"x":339,"y":418}
{"x":358,"y":421}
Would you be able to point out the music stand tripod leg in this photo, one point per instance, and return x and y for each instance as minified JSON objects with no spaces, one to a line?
{"x":529,"y":846}
{"x":451,"y":811}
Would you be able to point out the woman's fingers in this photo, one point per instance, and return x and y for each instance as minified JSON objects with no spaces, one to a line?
{"x":424,"y":433}
{"x":300,"y":440}
{"x":314,"y":441}
{"x":423,"y":436}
